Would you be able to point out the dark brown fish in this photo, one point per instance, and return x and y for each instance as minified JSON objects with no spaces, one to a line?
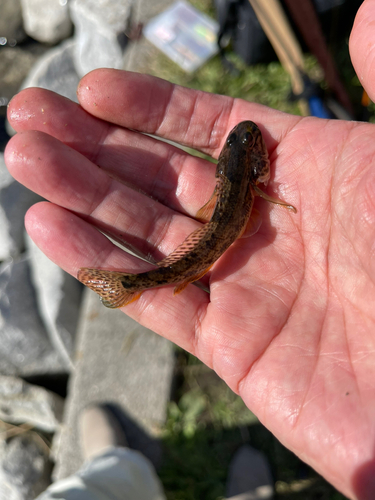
{"x":243,"y":164}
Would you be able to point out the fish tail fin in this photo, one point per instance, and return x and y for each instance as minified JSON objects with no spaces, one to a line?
{"x":109,"y":285}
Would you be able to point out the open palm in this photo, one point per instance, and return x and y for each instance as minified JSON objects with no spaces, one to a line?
{"x":290,"y":320}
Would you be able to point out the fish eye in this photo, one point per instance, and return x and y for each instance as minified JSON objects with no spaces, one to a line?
{"x":246,"y":138}
{"x":231,"y":139}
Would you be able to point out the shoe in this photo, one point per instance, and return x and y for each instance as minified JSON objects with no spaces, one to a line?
{"x":249,"y":476}
{"x":99,"y":430}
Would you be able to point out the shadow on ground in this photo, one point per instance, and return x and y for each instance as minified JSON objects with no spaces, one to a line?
{"x":205,"y":426}
{"x":196,"y":467}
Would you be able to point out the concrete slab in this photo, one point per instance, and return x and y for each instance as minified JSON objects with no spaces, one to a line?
{"x":121,"y":363}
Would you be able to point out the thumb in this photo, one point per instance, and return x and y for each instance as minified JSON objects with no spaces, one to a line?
{"x":362,"y":46}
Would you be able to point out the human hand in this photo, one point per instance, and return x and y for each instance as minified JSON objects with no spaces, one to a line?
{"x":289,"y":323}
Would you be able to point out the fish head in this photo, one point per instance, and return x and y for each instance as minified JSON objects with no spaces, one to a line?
{"x":247,"y":137}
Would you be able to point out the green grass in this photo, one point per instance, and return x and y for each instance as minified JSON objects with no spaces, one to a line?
{"x":206,"y":421}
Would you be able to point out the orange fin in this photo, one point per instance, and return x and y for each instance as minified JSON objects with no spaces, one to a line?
{"x":187,"y":245}
{"x":220,"y":192}
{"x":253,"y":224}
{"x":204,"y":214}
{"x":265,"y":196}
{"x":179,"y":288}
{"x":108,"y":285}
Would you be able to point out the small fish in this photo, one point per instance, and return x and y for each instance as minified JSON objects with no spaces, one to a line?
{"x":243,"y":164}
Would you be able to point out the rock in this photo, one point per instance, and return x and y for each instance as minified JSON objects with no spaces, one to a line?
{"x":47,"y":21}
{"x":15,"y":199}
{"x":22,"y":403}
{"x":25,"y":348}
{"x":55,"y":71}
{"x":59,"y":300}
{"x":23,"y":468}
{"x":11,"y":26}
{"x":100,"y":33}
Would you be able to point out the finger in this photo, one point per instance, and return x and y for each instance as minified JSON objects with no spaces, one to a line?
{"x":65,"y":177}
{"x":159,"y":169}
{"x":362,"y":46}
{"x":197,"y":119}
{"x":41,"y":109}
{"x":71,"y":242}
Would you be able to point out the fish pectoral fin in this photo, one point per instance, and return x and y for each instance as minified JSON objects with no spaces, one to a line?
{"x":179,"y":288}
{"x":253,"y":224}
{"x":221,"y":189}
{"x":266,"y":197}
{"x":108,"y":284}
{"x":186,"y":246}
{"x":204,"y":214}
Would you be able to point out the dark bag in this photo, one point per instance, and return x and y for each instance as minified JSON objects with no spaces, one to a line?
{"x":239,"y":24}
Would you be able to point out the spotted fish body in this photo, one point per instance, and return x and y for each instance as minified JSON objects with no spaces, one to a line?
{"x":243,"y":164}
